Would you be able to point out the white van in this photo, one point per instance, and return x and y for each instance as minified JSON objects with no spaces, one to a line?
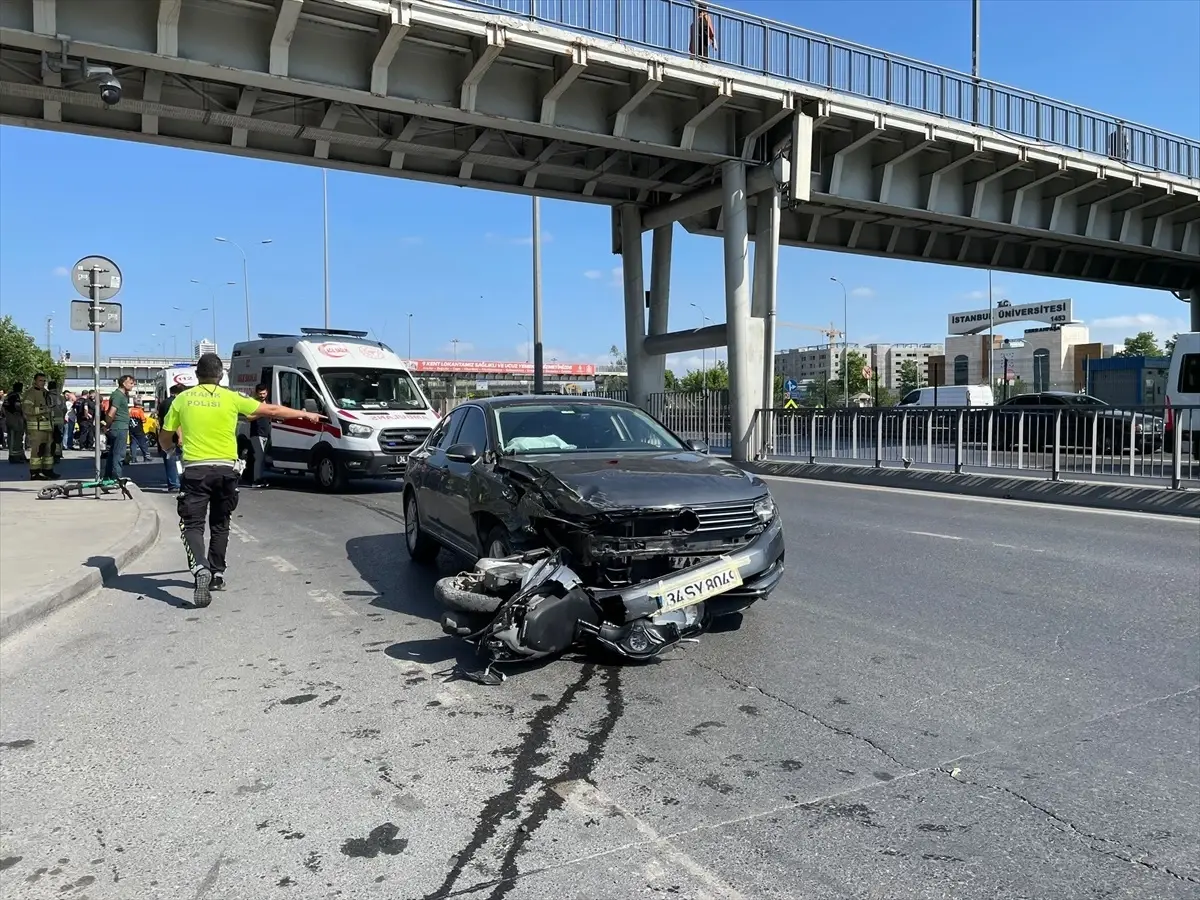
{"x":182,"y":374}
{"x":377,"y":414}
{"x":1183,"y":390}
{"x":950,"y":395}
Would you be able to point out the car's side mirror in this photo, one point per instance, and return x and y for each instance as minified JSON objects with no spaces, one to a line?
{"x":464,"y":453}
{"x":698,"y":446}
{"x":310,"y":405}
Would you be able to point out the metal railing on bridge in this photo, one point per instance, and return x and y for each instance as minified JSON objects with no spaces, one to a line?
{"x":760,"y":45}
{"x":1143,"y":444}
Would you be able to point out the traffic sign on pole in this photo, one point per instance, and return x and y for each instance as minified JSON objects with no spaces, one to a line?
{"x":97,"y":278}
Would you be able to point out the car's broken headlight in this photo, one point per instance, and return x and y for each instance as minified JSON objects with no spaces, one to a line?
{"x":764,"y":508}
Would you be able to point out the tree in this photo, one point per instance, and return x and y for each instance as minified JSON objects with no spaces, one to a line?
{"x":911,"y":376}
{"x":1169,"y":345}
{"x":1141,"y":344}
{"x":21,"y":358}
{"x":856,"y":362}
{"x":614,"y":383}
{"x":714,"y":378}
{"x":671,"y":381}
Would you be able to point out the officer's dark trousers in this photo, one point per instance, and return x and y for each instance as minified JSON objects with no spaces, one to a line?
{"x":208,"y":492}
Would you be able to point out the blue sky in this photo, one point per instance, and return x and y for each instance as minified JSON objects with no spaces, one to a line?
{"x":458,"y":260}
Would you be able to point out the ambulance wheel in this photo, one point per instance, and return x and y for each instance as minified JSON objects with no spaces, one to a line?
{"x":331,"y":476}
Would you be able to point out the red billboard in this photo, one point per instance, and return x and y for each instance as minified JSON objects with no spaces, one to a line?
{"x":487,"y":367}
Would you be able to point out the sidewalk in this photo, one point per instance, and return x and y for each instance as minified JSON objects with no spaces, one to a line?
{"x":54,"y":551}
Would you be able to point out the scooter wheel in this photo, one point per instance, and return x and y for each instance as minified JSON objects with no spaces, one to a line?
{"x":455,"y":592}
{"x":48,"y":493}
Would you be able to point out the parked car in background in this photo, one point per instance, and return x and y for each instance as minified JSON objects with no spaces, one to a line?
{"x":1029,"y":420}
{"x":633,"y":505}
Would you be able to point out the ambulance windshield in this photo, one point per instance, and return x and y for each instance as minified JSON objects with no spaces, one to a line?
{"x":362,"y":388}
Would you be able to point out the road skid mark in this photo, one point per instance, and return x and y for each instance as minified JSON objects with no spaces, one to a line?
{"x":590,"y":801}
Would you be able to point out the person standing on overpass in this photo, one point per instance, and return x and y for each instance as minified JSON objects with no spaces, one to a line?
{"x":205,"y":418}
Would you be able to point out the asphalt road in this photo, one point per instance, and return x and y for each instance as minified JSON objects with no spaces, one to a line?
{"x":947,"y":698}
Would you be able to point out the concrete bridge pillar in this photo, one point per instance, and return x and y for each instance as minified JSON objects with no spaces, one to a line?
{"x":660,"y":300}
{"x":641,"y":372}
{"x":737,"y":309}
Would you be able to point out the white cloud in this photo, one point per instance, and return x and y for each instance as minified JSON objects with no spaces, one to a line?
{"x":998,"y":292}
{"x":682,"y":363}
{"x":863,"y":292}
{"x":61,"y":272}
{"x":614,"y":277}
{"x":1114,"y":329}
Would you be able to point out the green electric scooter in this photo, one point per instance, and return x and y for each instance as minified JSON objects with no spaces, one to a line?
{"x":65,"y":489}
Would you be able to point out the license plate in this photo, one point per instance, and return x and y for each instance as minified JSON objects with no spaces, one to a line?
{"x":697,"y":586}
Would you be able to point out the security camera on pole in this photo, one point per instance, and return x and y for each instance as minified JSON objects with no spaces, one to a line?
{"x":98,"y":279}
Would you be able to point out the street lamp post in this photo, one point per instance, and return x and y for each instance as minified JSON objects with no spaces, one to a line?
{"x":845,"y":339}
{"x":245,"y":274}
{"x":191,"y":324}
{"x":528,"y":345}
{"x":213,"y":294}
{"x":410,"y":315}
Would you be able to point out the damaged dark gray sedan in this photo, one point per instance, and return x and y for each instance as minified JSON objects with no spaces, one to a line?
{"x":633,"y":509}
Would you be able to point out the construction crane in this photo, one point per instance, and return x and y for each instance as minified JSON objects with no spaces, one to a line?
{"x":831,"y":332}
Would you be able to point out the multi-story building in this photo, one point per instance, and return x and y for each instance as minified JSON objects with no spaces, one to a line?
{"x":806,"y":364}
{"x":203,"y":346}
{"x":887,"y":360}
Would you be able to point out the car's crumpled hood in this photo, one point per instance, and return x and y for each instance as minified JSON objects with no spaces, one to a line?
{"x":582,"y":484}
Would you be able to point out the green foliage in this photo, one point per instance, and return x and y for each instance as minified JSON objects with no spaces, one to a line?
{"x":855,"y":361}
{"x":911,"y":376}
{"x":21,"y":357}
{"x":1141,"y":344}
{"x":1169,"y":345}
{"x":715,"y":378}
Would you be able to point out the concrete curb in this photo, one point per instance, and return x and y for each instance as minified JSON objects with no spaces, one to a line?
{"x":1089,"y":494}
{"x":66,"y":590}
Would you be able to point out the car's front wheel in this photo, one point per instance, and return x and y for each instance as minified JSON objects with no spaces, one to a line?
{"x":421,"y":547}
{"x":497,"y":544}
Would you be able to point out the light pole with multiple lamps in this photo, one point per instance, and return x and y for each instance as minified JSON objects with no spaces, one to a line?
{"x":191,"y":324}
{"x":845,"y":339}
{"x":213,"y":294}
{"x":245,"y":274}
{"x":410,"y":315}
{"x":704,"y":320}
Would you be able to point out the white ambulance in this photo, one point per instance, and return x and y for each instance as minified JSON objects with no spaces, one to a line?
{"x":376,"y":413}
{"x":1183,"y":394}
{"x":182,"y":374}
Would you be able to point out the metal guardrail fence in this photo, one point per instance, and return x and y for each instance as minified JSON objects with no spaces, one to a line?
{"x":1147,"y":445}
{"x":766,"y":47}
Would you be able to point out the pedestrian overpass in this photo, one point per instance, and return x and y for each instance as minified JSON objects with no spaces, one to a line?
{"x":775,"y":134}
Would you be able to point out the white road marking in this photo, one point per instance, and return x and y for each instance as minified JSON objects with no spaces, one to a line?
{"x":591,"y":801}
{"x":244,"y":536}
{"x":331,"y":603}
{"x":1025,"y":504}
{"x":280,"y":564}
{"x":1022,"y":549}
{"x":449,"y":694}
{"x":944,"y":537}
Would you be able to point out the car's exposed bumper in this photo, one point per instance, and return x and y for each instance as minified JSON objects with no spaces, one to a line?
{"x":760,"y":564}
{"x":371,"y":463}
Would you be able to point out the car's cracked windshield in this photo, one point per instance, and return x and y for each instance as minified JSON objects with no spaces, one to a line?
{"x":582,"y":427}
{"x":372,"y":389}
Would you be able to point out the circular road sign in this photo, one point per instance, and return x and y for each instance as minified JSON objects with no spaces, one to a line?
{"x":108,"y":278}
